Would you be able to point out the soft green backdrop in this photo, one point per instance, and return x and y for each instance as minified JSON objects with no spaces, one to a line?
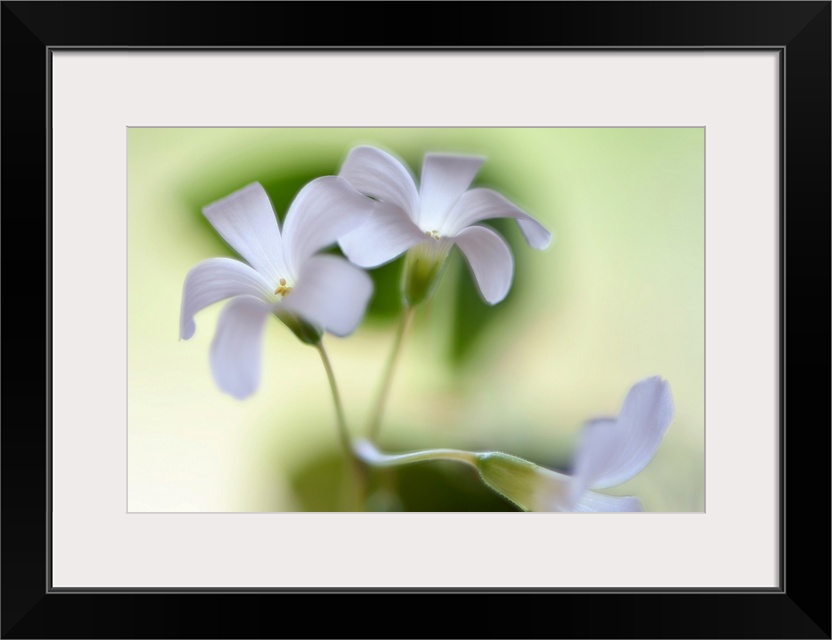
{"x":618,"y":296}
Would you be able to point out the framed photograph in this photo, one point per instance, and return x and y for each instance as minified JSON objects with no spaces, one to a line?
{"x":506,"y":239}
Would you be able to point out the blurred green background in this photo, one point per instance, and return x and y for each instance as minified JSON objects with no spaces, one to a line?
{"x":617,"y":297}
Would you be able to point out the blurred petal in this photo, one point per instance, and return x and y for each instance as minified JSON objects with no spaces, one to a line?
{"x":376,"y":173}
{"x":592,"y":502}
{"x":444,"y":179}
{"x":483,"y":204}
{"x":214,"y":280}
{"x":613,"y":451}
{"x":236,"y":349}
{"x":323,"y":211}
{"x":246,"y":220}
{"x":387,"y":235}
{"x":490,"y":259}
{"x":332,"y":293}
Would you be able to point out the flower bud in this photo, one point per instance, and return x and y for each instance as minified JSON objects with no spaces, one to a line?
{"x":530,"y":487}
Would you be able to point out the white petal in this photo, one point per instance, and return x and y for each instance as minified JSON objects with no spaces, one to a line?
{"x":376,"y":173}
{"x":592,"y":502}
{"x":323,"y":211}
{"x":247,"y":222}
{"x":330,"y":293}
{"x":444,"y":179}
{"x":217,"y":279}
{"x":483,"y":204}
{"x":612,"y":451}
{"x":236,"y":349}
{"x":490,"y":259}
{"x":387,"y":235}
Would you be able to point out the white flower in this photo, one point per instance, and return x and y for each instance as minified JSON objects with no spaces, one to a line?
{"x":610,"y":451}
{"x":431,"y":219}
{"x":310,"y":293}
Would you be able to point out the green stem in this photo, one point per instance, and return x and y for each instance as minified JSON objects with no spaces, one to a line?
{"x":367,"y":452}
{"x":387,"y":380}
{"x":336,"y":397}
{"x":356,"y":493}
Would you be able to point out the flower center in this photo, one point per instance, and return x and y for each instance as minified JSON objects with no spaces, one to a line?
{"x":282,"y":289}
{"x":432,"y":234}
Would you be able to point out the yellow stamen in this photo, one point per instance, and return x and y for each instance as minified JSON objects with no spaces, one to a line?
{"x":283,"y":290}
{"x":433,"y":234}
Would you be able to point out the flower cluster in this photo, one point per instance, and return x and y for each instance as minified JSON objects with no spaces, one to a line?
{"x":375,"y":212}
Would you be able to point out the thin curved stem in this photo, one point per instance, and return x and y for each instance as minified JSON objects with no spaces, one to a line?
{"x":367,"y":452}
{"x":387,"y":380}
{"x":336,"y":397}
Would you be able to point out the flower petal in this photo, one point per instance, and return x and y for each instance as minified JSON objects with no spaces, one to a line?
{"x":213,"y":280}
{"x":483,"y":204}
{"x":331,"y":293}
{"x":247,"y":222}
{"x":444,"y":179}
{"x":389,"y":233}
{"x":490,"y":259}
{"x":323,"y":211}
{"x":378,"y":174}
{"x":612,"y":451}
{"x":236,"y":349}
{"x":592,"y":502}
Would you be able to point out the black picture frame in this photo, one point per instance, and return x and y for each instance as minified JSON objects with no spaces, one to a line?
{"x":798,"y":608}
